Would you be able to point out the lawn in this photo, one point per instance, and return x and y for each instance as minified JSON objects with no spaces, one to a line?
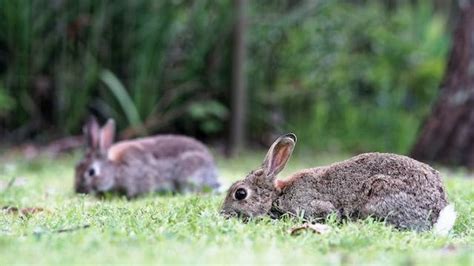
{"x":187,"y":229}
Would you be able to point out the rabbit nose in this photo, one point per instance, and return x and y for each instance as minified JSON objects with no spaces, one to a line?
{"x":228,"y":214}
{"x":95,"y":185}
{"x":82,"y":190}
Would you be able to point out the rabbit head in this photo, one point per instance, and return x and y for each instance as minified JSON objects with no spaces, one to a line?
{"x":254,"y":195}
{"x":95,"y":173}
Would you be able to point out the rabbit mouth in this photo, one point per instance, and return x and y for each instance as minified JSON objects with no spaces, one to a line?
{"x":235,"y":214}
{"x":82,"y":190}
{"x":229,"y":214}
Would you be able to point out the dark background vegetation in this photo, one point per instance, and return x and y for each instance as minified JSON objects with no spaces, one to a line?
{"x":343,"y":75}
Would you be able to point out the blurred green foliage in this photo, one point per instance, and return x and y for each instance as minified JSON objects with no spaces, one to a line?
{"x":352,"y":77}
{"x":132,"y":60}
{"x":341,"y":75}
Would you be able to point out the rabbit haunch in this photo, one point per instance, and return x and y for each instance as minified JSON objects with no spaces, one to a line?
{"x":161,"y":163}
{"x":404,"y":192}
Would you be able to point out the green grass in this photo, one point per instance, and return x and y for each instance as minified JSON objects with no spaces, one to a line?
{"x":188,"y":230}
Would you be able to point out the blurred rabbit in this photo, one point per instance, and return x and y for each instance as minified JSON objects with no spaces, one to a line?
{"x":168,"y":163}
{"x":404,"y":192}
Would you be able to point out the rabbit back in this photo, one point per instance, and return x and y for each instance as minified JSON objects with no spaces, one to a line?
{"x":162,"y":146}
{"x":168,"y":163}
{"x":406,"y":193}
{"x":195,"y":171}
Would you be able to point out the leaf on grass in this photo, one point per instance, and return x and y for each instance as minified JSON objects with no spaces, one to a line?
{"x":316,"y":228}
{"x":22,"y":211}
{"x":450,"y":248}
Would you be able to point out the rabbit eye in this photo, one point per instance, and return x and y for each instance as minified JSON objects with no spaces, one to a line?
{"x":240,"y":194}
{"x":91,"y":172}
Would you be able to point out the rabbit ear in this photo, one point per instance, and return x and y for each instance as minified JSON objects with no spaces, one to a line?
{"x":91,"y":132}
{"x":279,"y":154}
{"x":107,"y":135}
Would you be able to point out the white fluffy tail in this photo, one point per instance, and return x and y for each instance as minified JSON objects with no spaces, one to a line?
{"x":446,"y":219}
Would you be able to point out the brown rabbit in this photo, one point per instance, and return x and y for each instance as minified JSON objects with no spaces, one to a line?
{"x":404,"y":192}
{"x":168,"y":163}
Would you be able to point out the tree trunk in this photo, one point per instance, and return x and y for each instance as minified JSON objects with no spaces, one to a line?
{"x":238,"y":100}
{"x":447,"y":135}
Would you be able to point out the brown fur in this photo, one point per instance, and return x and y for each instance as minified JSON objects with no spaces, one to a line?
{"x":280,"y":184}
{"x":168,"y":163}
{"x":404,"y":192}
{"x":117,"y":152}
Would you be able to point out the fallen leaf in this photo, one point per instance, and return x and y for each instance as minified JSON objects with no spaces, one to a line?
{"x":449,"y":248}
{"x":316,"y":228}
{"x":22,"y":211}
